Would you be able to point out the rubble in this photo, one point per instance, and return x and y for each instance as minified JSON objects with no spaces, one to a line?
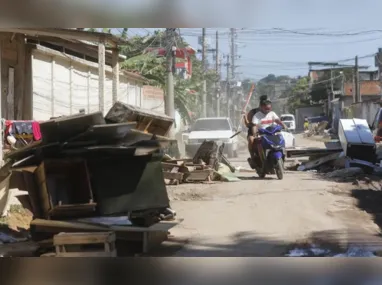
{"x":353,"y":154}
{"x":344,"y":173}
{"x":206,"y":165}
{"x":316,"y":129}
{"x":88,"y":169}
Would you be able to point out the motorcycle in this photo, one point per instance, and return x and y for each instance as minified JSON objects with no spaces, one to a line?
{"x":271,"y":153}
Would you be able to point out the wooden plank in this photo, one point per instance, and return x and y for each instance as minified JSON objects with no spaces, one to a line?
{"x":88,"y":254}
{"x":48,"y":254}
{"x":317,"y":162}
{"x":199,"y":175}
{"x":11,"y":94}
{"x":176,"y":161}
{"x":46,"y":204}
{"x":298,"y":152}
{"x":153,"y":239}
{"x":83,"y":238}
{"x":173,"y":176}
{"x":66,"y":226}
{"x":169,"y":166}
{"x":72,"y":209}
{"x":33,"y":193}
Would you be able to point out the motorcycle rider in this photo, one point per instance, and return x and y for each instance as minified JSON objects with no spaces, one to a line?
{"x":248,"y":123}
{"x":263,"y":119}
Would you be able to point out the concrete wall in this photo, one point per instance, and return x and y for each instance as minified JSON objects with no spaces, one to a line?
{"x":364,"y":110}
{"x":63,"y":84}
{"x":153,"y":98}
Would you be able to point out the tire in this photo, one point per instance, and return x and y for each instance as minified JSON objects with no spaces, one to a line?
{"x":280,"y":169}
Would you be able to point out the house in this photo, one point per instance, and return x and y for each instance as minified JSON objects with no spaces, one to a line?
{"x":368,"y":75}
{"x":51,"y":72}
{"x":370,"y":90}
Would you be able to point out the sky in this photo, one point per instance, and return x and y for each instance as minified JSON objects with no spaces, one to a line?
{"x":263,"y":50}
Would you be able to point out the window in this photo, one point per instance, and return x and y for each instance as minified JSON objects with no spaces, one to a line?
{"x":211,"y":125}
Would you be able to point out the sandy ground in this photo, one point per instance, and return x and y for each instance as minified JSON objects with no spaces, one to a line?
{"x":265,"y":217}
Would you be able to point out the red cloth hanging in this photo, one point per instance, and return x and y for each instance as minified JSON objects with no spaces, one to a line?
{"x":36,"y":131}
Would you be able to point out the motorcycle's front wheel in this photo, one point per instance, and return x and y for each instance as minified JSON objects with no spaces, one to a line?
{"x":280,"y":169}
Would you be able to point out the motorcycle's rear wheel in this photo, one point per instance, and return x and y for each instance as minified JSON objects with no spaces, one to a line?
{"x":280,"y":169}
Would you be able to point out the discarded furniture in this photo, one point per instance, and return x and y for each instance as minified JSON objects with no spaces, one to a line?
{"x":147,"y":121}
{"x":141,"y":239}
{"x":357,"y":140}
{"x":64,"y":188}
{"x":202,"y":167}
{"x":85,"y":168}
{"x":125,"y":183}
{"x":64,"y":242}
{"x":64,"y":128}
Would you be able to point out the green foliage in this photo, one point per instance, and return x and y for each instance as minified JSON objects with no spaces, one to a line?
{"x":266,"y":85}
{"x":154,"y":69}
{"x":298,"y":95}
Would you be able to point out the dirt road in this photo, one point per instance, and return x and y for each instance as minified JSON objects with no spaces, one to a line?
{"x":263,"y":217}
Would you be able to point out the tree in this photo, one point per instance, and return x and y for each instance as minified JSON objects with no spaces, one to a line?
{"x":298,"y":95}
{"x":154,"y":69}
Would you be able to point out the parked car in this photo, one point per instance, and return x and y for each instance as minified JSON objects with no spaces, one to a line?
{"x":217,"y":129}
{"x":290,"y":122}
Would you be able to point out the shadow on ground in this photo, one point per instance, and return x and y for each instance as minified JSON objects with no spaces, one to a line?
{"x":248,"y":244}
{"x":255,"y":177}
{"x":370,"y":201}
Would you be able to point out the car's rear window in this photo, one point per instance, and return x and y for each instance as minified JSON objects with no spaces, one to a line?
{"x":211,"y":125}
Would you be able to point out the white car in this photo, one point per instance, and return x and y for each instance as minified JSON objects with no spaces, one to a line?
{"x":290,"y":122}
{"x":216,"y":129}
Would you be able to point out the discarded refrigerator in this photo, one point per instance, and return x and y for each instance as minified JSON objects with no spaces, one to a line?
{"x":357,"y":140}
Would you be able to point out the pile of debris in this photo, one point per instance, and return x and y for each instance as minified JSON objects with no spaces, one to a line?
{"x":353,"y":154}
{"x":91,"y":173}
{"x":316,"y":129}
{"x":206,"y":165}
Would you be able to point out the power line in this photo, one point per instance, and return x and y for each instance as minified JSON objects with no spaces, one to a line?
{"x":328,"y":34}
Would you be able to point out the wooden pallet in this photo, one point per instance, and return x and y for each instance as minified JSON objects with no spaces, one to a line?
{"x":64,"y":243}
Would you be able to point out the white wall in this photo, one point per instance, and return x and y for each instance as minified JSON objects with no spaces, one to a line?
{"x":63,"y":87}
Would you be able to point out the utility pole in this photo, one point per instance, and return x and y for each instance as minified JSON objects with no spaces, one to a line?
{"x":356,"y":81}
{"x":204,"y":95}
{"x":170,"y":99}
{"x":228,"y":88}
{"x":218,"y":75}
{"x":233,"y":77}
{"x":232,"y":53}
{"x":330,"y":94}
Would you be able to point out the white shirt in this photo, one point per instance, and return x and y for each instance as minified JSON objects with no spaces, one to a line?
{"x":263,"y":121}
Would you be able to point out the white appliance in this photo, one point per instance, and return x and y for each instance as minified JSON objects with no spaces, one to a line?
{"x":356,"y":139}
